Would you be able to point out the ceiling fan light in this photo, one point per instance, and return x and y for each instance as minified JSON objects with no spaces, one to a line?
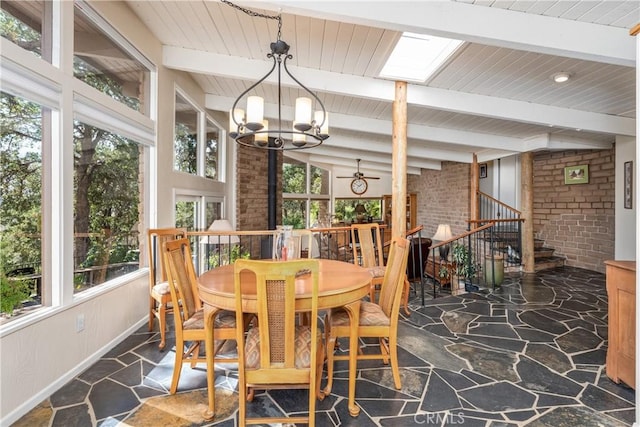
{"x":561,"y":77}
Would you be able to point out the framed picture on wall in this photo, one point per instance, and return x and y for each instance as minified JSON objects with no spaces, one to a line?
{"x":483,"y":170}
{"x":576,"y":174}
{"x":628,"y":185}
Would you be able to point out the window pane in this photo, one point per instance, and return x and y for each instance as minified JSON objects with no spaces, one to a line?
{"x":187,"y":215}
{"x":20,"y":202}
{"x":211,"y":151}
{"x":21,"y":23}
{"x":186,"y":137}
{"x":319,"y":180}
{"x":320,"y":215}
{"x":294,"y":212}
{"x":294,"y":177}
{"x":107,"y":178}
{"x":345,"y":209}
{"x":101,"y":63}
{"x":213,"y":211}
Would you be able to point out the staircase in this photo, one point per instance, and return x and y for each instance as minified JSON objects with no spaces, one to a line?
{"x":544,"y":258}
{"x":507,"y":238}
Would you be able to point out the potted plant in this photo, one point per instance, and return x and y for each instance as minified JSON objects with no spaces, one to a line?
{"x":465,"y":269}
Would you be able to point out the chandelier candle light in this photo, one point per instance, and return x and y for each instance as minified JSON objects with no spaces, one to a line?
{"x":309,"y":128}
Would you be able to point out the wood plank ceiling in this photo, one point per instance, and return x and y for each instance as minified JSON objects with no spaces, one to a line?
{"x":494,"y":98}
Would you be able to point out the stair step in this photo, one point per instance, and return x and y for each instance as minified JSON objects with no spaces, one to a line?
{"x":547,"y":263}
{"x":543,"y":253}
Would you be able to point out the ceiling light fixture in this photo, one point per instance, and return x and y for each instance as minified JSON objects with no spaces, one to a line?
{"x":252,"y":130}
{"x":561,"y":77}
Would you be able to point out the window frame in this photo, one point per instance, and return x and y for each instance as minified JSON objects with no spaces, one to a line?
{"x":48,"y":84}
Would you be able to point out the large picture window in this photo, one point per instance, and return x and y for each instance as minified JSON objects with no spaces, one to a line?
{"x":71,"y":180}
{"x":107,"y":197}
{"x":20,"y":203}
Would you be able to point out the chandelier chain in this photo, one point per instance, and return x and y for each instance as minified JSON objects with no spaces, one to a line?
{"x":255,"y":14}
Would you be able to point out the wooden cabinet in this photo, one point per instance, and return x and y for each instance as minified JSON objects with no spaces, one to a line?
{"x":621,"y":292}
{"x":412,"y":213}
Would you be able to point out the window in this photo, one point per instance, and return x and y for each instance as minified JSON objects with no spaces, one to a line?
{"x":345,"y":209}
{"x":107,"y":196}
{"x":196,"y":151}
{"x":196,"y":213}
{"x":21,"y":23}
{"x":103,"y":64}
{"x":211,"y":153}
{"x":71,"y":179}
{"x":186,"y":136}
{"x":20,"y":202}
{"x":306,"y":199}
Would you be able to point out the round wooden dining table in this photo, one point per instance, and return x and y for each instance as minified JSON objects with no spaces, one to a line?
{"x":341,"y":284}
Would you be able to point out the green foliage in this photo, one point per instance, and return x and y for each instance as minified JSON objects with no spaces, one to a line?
{"x":19,"y":33}
{"x":345,"y":209}
{"x":463,"y":258}
{"x":226,"y":257}
{"x":12,"y":294}
{"x":185,"y":149}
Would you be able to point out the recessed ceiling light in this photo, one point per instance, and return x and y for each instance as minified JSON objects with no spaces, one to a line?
{"x":561,"y":77}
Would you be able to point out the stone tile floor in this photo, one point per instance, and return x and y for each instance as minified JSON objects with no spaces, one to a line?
{"x":531,"y":353}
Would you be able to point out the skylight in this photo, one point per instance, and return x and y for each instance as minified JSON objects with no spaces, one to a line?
{"x":417,"y":56}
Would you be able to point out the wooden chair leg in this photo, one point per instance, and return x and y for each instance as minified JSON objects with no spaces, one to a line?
{"x":393,"y":354}
{"x":162,"y":324}
{"x":177,"y":367}
{"x":405,"y":297}
{"x":330,"y":348}
{"x":152,"y":313}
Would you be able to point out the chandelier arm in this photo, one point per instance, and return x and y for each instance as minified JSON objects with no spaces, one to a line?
{"x":324,"y":111}
{"x":250,"y":88}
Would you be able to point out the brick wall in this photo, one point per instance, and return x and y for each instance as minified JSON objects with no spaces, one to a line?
{"x":252,"y":168}
{"x":576,"y":220}
{"x":443,"y":197}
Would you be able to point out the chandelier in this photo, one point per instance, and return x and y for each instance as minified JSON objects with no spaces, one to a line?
{"x":251,"y":129}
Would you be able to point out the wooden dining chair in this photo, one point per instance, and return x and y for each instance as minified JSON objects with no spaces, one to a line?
{"x":159,"y":294}
{"x":377,"y":320}
{"x":279,"y":353}
{"x":189,"y":318}
{"x":366,"y":241}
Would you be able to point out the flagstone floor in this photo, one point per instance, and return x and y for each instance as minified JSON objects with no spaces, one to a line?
{"x":531,"y":353}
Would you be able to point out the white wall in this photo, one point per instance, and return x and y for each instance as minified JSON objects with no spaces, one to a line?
{"x":625,"y":239}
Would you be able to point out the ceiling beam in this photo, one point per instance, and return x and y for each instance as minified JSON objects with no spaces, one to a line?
{"x":383,"y":127}
{"x":202,"y":62}
{"x":470,"y":22}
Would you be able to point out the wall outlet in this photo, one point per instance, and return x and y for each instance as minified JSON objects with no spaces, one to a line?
{"x":80,"y":323}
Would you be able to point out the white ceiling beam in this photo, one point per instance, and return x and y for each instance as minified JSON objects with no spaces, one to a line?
{"x":487,"y":106}
{"x":486,"y":25}
{"x":383,"y":127}
{"x":372,"y":168}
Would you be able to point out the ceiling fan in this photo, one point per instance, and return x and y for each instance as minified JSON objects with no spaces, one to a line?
{"x":358,"y":174}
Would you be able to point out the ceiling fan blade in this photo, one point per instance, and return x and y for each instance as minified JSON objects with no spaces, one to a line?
{"x":371,"y":177}
{"x":344,"y":176}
